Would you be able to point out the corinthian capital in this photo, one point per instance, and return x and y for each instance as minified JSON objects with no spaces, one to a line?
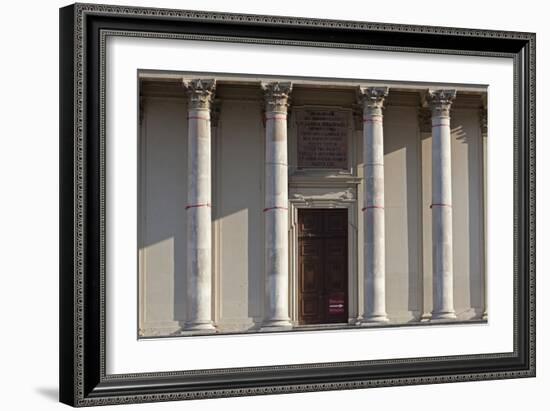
{"x":372,"y":99}
{"x":440,"y":101}
{"x":200,"y":92}
{"x":276,"y":96}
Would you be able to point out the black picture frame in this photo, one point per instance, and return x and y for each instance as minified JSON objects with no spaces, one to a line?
{"x":83,"y":381}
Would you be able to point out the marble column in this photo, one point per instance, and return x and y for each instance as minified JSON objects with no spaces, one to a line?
{"x":276,"y":206}
{"x":199,"y":222}
{"x":442,"y":212}
{"x":372,"y":99}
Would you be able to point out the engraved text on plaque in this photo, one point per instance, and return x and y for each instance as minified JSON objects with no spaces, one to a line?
{"x":322,"y":138}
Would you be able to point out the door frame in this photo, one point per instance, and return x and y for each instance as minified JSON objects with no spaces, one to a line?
{"x":354,"y":289}
{"x":319,"y":235}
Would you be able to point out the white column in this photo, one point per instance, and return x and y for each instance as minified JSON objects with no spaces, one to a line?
{"x":199,"y":233}
{"x":442,"y":212}
{"x":372,"y":99}
{"x":276,"y":206}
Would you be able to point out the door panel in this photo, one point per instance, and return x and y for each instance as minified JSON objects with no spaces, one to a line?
{"x":336,"y":223}
{"x":323,"y":266}
{"x":309,"y":281}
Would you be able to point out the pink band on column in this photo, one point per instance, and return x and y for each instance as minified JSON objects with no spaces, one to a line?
{"x":275,"y":208}
{"x":197,"y":205}
{"x":372,"y":206}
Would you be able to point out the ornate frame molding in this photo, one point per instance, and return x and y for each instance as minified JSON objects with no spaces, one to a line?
{"x":83,"y":381}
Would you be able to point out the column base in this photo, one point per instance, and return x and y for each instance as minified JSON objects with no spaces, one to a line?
{"x":276,"y":325}
{"x":374,"y":319}
{"x":206,"y":327}
{"x":484,"y":316}
{"x":442,"y":316}
{"x":426,"y":318}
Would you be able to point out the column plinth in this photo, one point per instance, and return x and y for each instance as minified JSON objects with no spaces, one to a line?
{"x":372,"y":99}
{"x":275,"y":210}
{"x":198,"y":208}
{"x":442,"y":212}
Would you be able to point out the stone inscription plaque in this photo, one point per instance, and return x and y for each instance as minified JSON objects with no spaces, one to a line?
{"x":322,"y":138}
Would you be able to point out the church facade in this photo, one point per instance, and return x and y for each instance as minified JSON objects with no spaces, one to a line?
{"x":279,"y":204}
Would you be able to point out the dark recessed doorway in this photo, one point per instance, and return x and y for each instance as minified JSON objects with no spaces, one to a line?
{"x":323,"y":266}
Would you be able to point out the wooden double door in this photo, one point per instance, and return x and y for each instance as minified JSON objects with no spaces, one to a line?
{"x":323,"y":266}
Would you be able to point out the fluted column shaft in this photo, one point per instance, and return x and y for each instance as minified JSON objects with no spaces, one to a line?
{"x":276,"y":206}
{"x":372,"y":99}
{"x":442,"y":212}
{"x":198,"y":208}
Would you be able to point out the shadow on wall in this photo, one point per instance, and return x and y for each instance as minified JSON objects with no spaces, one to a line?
{"x":162,"y":239}
{"x":241,"y":163}
{"x":237,"y":205}
{"x":475,"y":212}
{"x":403,"y":211}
